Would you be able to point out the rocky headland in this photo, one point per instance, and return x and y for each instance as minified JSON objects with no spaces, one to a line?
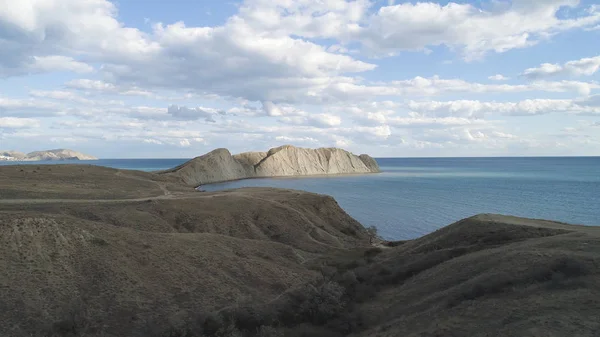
{"x":220,"y":165}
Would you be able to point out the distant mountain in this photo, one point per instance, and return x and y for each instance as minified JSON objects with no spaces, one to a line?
{"x":12,"y":155}
{"x":57,"y":154}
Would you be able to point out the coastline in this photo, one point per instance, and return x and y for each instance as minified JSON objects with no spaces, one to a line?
{"x":301,"y":176}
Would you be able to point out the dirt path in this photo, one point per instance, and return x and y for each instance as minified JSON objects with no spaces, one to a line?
{"x":188,"y":195}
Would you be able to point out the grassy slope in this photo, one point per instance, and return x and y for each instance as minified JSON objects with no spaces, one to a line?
{"x":81,"y":182}
{"x":488,"y":276}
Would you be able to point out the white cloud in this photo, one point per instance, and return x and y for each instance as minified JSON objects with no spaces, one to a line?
{"x":377,"y":132}
{"x":325,"y":120}
{"x":465,"y":136}
{"x":590,"y":101}
{"x":582,"y":67}
{"x":102,"y":87}
{"x":152,"y":141}
{"x":256,"y":54}
{"x":473,"y":30}
{"x":432,"y":122}
{"x":238,"y":59}
{"x":18,"y":123}
{"x":436,"y":85}
{"x":271,"y":109}
{"x":343,"y":142}
{"x":28,"y":107}
{"x":474,"y":108}
{"x":316,"y":120}
{"x":86,"y":84}
{"x":286,"y":139}
{"x":64,"y":95}
{"x":182,"y":112}
{"x":498,"y":77}
{"x":409,"y":26}
{"x":59,"y":63}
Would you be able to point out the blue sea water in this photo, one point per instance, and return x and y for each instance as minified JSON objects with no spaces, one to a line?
{"x":415,"y":196}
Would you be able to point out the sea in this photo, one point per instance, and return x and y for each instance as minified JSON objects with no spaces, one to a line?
{"x":415,"y":196}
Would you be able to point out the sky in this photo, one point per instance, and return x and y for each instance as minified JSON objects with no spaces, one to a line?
{"x":178,"y":78}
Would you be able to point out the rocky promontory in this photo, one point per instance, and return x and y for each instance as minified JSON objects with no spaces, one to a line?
{"x":57,"y":154}
{"x":220,"y":165}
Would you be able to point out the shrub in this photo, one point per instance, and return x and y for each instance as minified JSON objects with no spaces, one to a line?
{"x":98,"y":241}
{"x":492,"y":284}
{"x":394,"y":243}
{"x":76,"y":321}
{"x":347,"y":324}
{"x":228,"y":330}
{"x":372,"y":252}
{"x":311,"y":304}
{"x":372,"y":231}
{"x":269,"y":331}
{"x":557,"y":273}
{"x":213,"y":323}
{"x":322,"y":303}
{"x":248,"y":317}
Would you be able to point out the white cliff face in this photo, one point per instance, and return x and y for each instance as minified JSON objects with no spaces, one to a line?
{"x":219,"y":165}
{"x":58,"y":154}
{"x":293,"y":161}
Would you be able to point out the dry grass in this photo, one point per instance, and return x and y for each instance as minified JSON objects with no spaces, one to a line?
{"x":80,"y":182}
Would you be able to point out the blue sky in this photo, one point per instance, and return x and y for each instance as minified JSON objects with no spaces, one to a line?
{"x":140,"y":79}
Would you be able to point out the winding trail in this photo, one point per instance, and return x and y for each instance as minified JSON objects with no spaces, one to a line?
{"x":170,"y":195}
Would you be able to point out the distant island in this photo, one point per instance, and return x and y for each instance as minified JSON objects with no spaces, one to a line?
{"x":220,"y":165}
{"x":57,"y":154}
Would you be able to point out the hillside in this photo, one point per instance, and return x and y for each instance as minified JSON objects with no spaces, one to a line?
{"x":154,"y":251}
{"x":163,"y":260}
{"x":81,"y":182}
{"x":219,"y":165}
{"x":57,"y":154}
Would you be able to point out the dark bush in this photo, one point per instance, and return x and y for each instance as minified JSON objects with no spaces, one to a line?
{"x":492,"y":284}
{"x":372,"y":252}
{"x":557,"y":273}
{"x":567,"y":267}
{"x":394,"y":243}
{"x":213,"y":323}
{"x":312,"y":303}
{"x":348,"y":323}
{"x":98,"y":241}
{"x":269,"y":331}
{"x":248,"y":317}
{"x":321,"y":303}
{"x":571,"y":267}
{"x":364,"y":292}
